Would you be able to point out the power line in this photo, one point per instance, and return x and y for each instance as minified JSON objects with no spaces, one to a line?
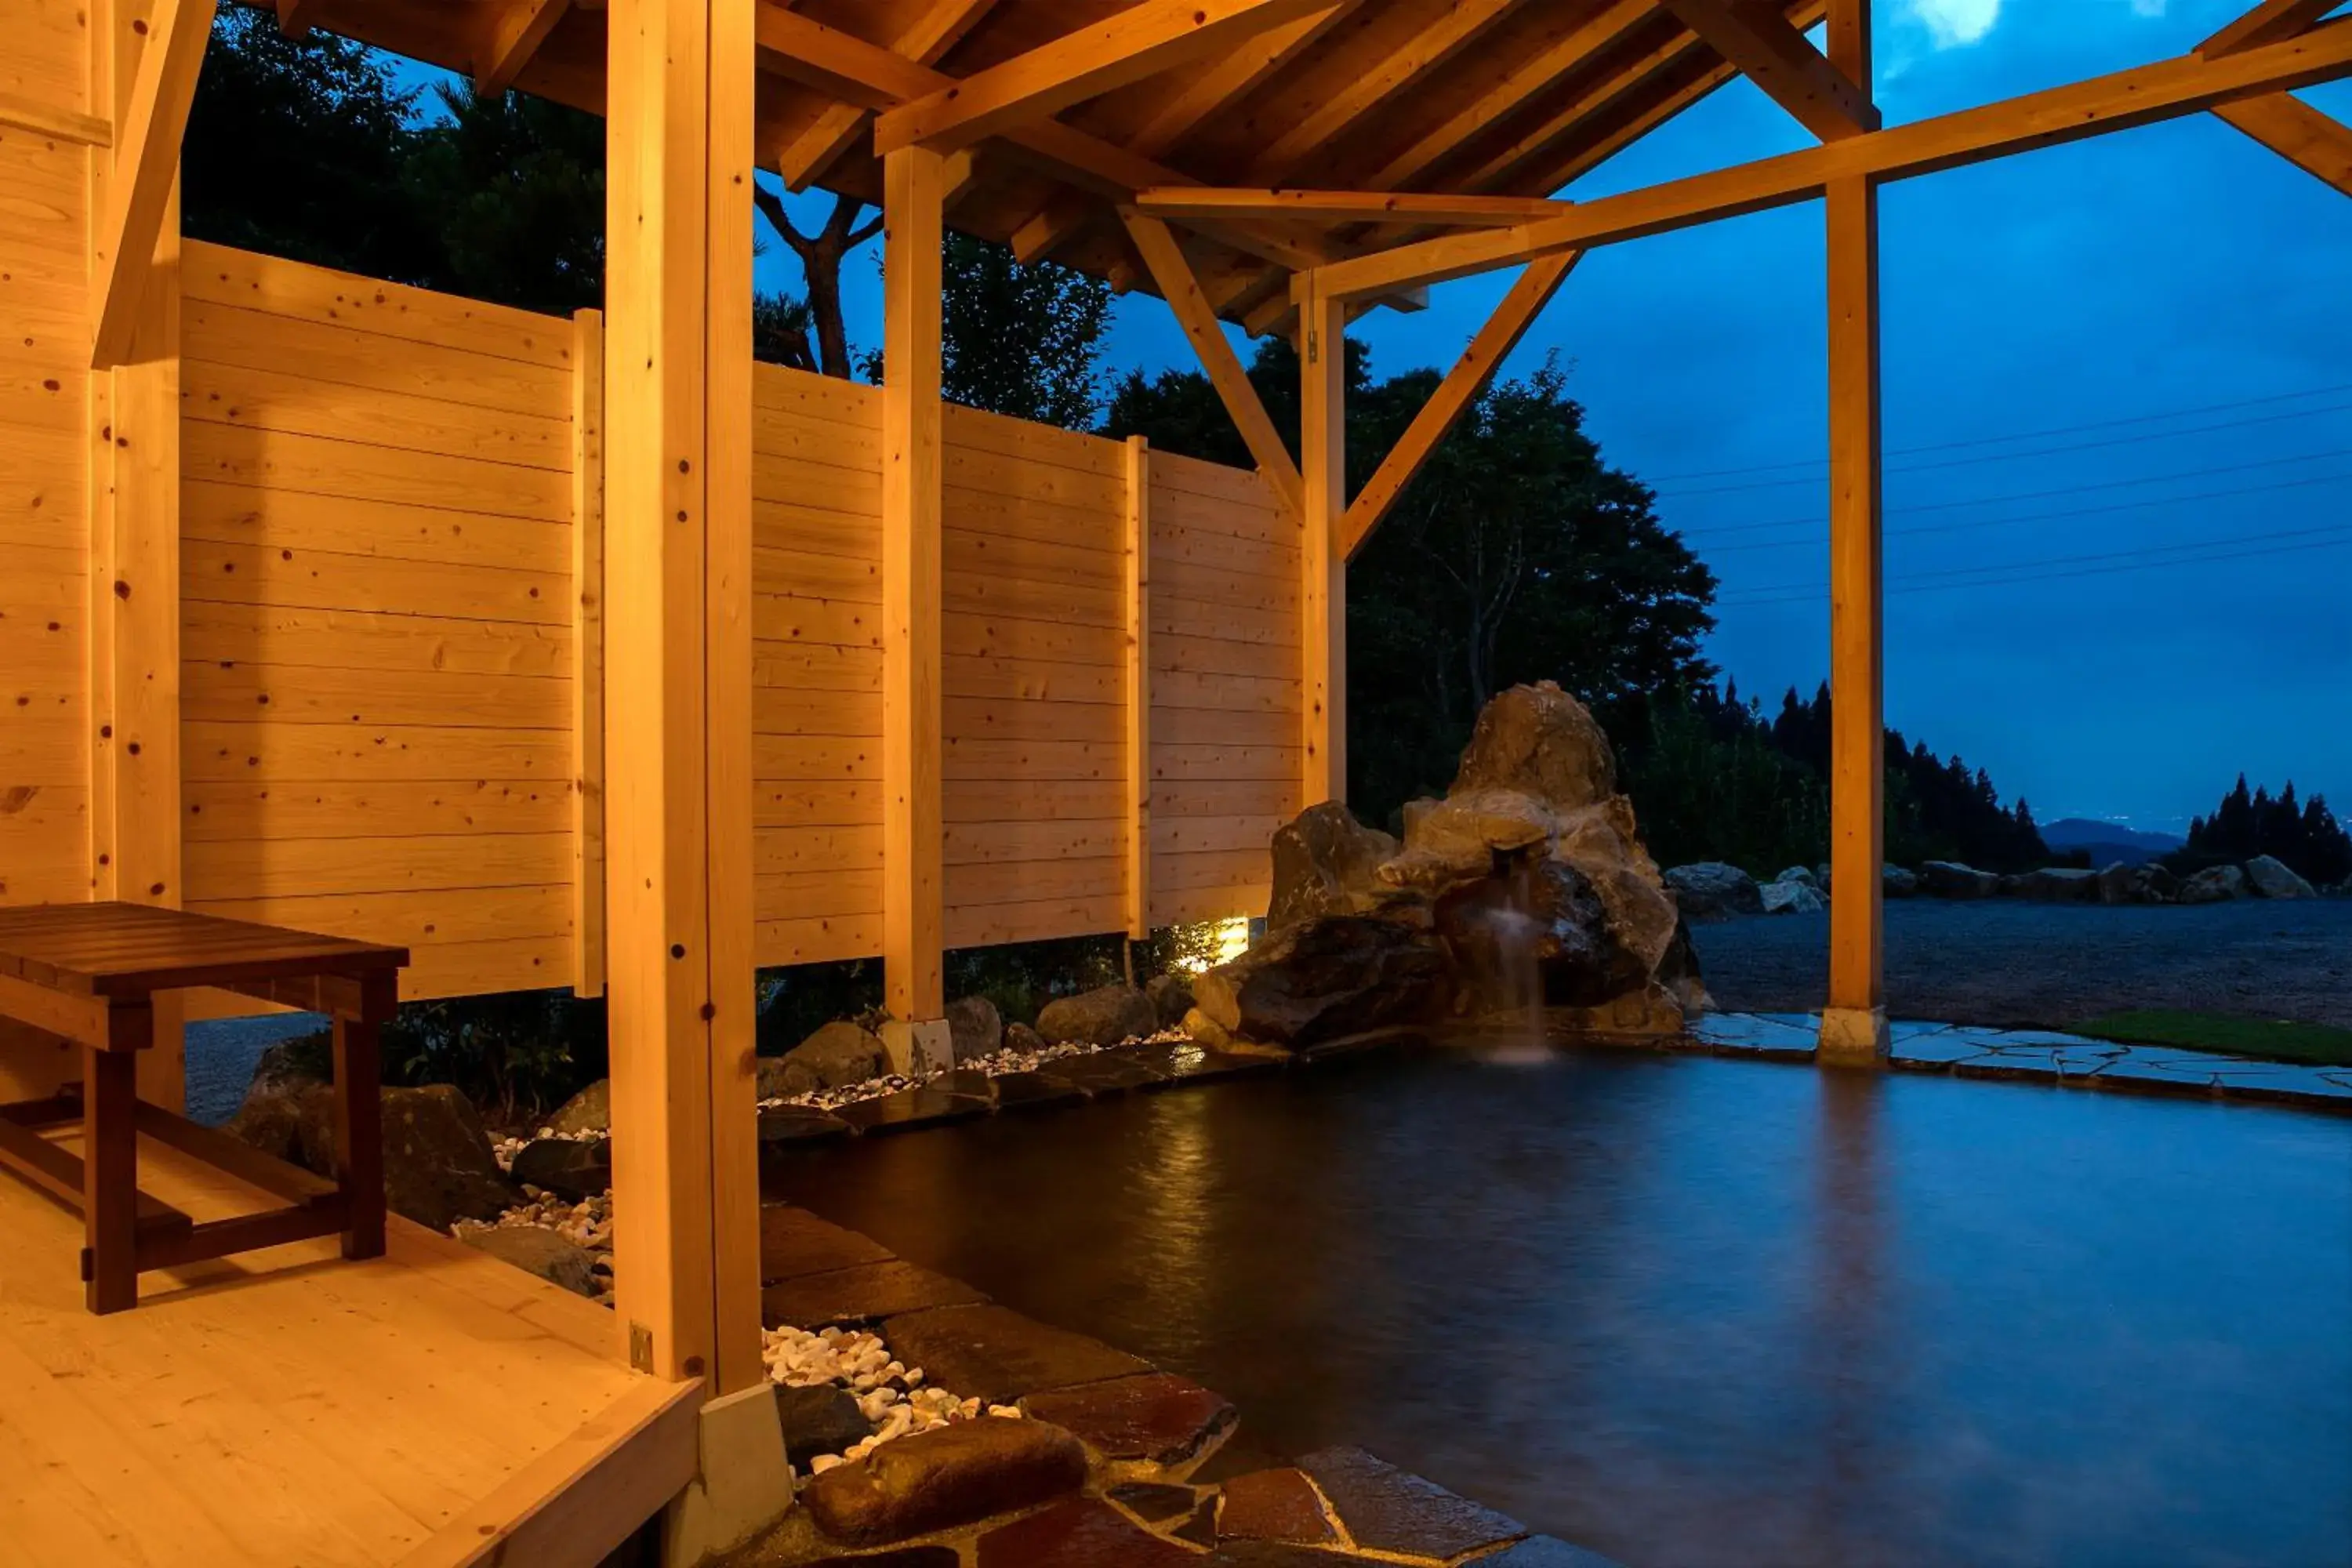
{"x":1901,"y":588}
{"x":2026,"y":495}
{"x":2022,"y":436}
{"x":2013,"y":457}
{"x":2044,"y":515}
{"x":2006,"y":571}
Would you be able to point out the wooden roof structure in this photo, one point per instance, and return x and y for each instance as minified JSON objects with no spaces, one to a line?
{"x":1493,"y":97}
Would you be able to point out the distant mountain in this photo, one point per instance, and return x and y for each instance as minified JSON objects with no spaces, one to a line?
{"x":2108,"y":842}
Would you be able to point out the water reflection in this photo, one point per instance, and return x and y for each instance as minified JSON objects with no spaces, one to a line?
{"x":1697,"y":1311}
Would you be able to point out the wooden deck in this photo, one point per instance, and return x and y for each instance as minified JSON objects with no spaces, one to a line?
{"x":431,"y":1407}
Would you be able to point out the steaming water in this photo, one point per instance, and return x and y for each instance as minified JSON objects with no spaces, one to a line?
{"x":1694,"y":1312}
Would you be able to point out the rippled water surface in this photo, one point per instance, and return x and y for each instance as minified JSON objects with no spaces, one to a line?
{"x":1695,"y":1311}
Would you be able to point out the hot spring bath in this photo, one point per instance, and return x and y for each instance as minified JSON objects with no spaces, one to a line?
{"x":1695,"y":1311}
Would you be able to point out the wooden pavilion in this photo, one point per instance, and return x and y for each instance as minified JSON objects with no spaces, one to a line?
{"x":588,"y":652}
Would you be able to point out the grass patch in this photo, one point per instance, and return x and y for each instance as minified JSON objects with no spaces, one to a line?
{"x":2317,"y":1045}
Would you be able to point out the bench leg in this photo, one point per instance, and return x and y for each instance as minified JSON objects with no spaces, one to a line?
{"x":111,"y":1179}
{"x":359,"y":1134}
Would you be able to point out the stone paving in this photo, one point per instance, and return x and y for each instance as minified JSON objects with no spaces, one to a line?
{"x":1110,"y":1463}
{"x":2039,"y":1056}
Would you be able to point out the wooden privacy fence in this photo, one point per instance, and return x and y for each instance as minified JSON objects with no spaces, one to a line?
{"x":391,"y":537}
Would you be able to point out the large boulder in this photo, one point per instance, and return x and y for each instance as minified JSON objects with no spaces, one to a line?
{"x":590,"y":1111}
{"x":2059,"y":885}
{"x":975,"y":1028}
{"x":2214,"y":885}
{"x":1460,"y":837}
{"x":1103,"y":1017}
{"x":1803,"y":874}
{"x":2271,"y":877}
{"x":1712,"y":890}
{"x":2144,"y":884}
{"x":438,"y":1164}
{"x":1602,"y":842}
{"x":1323,"y":865}
{"x":1900,"y":883}
{"x":1172,"y":996}
{"x":1538,"y":741}
{"x":1326,"y":979}
{"x":945,"y":1476}
{"x":574,"y":1168}
{"x":1678,"y":973}
{"x":1951,"y":879}
{"x":836,"y":1056}
{"x":1786,"y":897}
{"x":536,"y":1250}
{"x":1538,"y":935}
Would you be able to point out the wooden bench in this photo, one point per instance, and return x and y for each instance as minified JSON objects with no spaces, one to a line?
{"x":90,"y":971}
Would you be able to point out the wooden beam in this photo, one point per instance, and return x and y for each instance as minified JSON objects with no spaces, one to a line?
{"x":295,"y":17}
{"x":516,"y":31}
{"x":2126,"y":99}
{"x":1453,"y":25}
{"x":1754,"y":35}
{"x":1854,"y":1024}
{"x":1847,"y":41}
{"x":730,"y":985}
{"x":146,"y":168}
{"x":913,"y":900}
{"x":133,"y":626}
{"x":1184,"y":203}
{"x":1194,"y":99}
{"x":2316,"y":143}
{"x":1182,"y":290}
{"x":1323,"y":565}
{"x":1138,"y":688}
{"x":588,"y":652}
{"x":676,"y":602}
{"x":1125,"y":46}
{"x":1463,"y":386}
{"x":2267,"y":23}
{"x":941,"y":26}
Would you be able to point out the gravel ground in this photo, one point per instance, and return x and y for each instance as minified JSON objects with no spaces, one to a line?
{"x":2016,"y":964}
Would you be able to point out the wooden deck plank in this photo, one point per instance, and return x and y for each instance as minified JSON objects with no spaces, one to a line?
{"x":286,"y":1406}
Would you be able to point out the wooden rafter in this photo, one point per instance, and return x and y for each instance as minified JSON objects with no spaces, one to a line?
{"x":1127,"y":47}
{"x":295,"y":17}
{"x":1192,"y":101}
{"x":1462,"y":386}
{"x":2139,"y":97}
{"x":2267,"y":23}
{"x":146,"y":167}
{"x":1457,"y":23}
{"x":1532,"y":78}
{"x":1182,"y":290}
{"x":848,"y":67}
{"x":1754,"y":35}
{"x":939,"y":29}
{"x":1184,"y":203}
{"x":2316,"y":143}
{"x":515,"y":34}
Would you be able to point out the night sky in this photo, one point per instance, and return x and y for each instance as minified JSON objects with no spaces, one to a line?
{"x":2180,"y":278}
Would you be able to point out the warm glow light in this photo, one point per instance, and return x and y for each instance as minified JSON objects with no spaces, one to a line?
{"x":1232,"y":939}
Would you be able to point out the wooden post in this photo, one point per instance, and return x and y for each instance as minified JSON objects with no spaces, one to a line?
{"x":588,"y":652}
{"x":134,"y":579}
{"x":1139,"y":689}
{"x":913,"y":907}
{"x":1323,"y":583}
{"x":1854,"y":1024}
{"x":677,"y":568}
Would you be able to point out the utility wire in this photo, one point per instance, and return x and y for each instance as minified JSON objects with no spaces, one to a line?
{"x":2013,"y":457}
{"x":1706,"y":532}
{"x":1816,"y":596}
{"x":2085,"y":565}
{"x":1972,"y":523}
{"x":2022,"y":436}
